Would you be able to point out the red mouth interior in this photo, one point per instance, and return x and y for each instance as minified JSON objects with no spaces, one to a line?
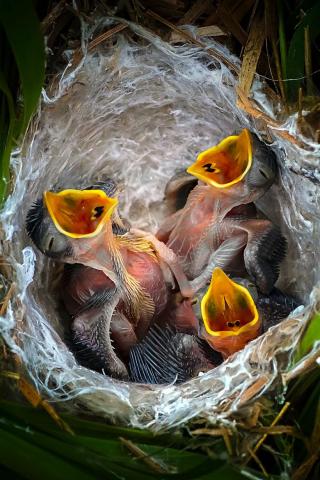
{"x":78,"y":215}
{"x":222,"y":167}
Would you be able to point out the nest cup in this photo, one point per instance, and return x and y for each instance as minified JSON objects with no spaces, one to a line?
{"x":137,"y":110}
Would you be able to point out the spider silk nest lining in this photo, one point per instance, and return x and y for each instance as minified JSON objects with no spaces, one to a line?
{"x":136,"y":111}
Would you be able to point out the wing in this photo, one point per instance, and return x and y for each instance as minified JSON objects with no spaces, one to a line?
{"x":85,"y":288}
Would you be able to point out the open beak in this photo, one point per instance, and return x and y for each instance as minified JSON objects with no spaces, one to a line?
{"x":229,"y":314}
{"x":79,"y":213}
{"x":225,"y":164}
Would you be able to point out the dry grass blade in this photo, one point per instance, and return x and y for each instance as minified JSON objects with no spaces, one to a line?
{"x":197,"y":9}
{"x":154,"y":464}
{"x":52,"y":16}
{"x":212,"y":432}
{"x":275,"y":421}
{"x":211,"y":51}
{"x":276,"y":430}
{"x":253,"y":390}
{"x":258,"y":462}
{"x":251,"y":109}
{"x":280,"y":430}
{"x":6,"y":300}
{"x":232,"y":25}
{"x":270,"y":25}
{"x":308,"y":59}
{"x":209,"y":31}
{"x":97,"y":41}
{"x":216,"y":432}
{"x":252,"y":53}
{"x":108,"y":34}
{"x":240,"y":8}
{"x":306,"y":365}
{"x":253,"y":451}
{"x":305,"y":468}
{"x":35,"y":399}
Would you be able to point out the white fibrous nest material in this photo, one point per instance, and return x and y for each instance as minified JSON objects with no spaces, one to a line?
{"x":136,"y":111}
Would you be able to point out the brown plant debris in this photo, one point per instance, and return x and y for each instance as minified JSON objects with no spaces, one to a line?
{"x":196,"y":10}
{"x":211,"y":51}
{"x":151,"y":462}
{"x":275,"y":421}
{"x":252,"y":53}
{"x":4,"y":304}
{"x":226,"y":433}
{"x":34,"y":397}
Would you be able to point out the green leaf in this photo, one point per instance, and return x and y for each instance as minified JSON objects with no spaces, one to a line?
{"x":308,"y":411}
{"x":103,"y":456}
{"x":31,"y":462}
{"x":20,"y":29}
{"x":282,"y":40}
{"x":89,"y":428}
{"x":6,"y":140}
{"x":311,"y":335}
{"x":295,"y":58}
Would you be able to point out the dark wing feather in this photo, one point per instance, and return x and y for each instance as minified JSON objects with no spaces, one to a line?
{"x":165,"y":356}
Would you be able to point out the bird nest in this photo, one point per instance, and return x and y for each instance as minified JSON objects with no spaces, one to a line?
{"x":136,"y":110}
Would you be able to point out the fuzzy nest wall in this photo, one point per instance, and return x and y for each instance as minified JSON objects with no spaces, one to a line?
{"x":137,"y":111}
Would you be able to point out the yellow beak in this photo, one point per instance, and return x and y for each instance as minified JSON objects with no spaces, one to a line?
{"x":225,"y":164}
{"x":227,"y":308}
{"x":79,"y":213}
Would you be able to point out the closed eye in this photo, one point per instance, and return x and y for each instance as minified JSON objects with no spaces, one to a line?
{"x":263,"y":174}
{"x":51,"y":243}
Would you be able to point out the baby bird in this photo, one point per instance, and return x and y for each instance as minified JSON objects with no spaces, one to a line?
{"x":218,"y":224}
{"x":118,"y":280}
{"x":229,"y":314}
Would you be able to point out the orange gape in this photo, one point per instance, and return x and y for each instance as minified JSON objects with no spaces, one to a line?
{"x":227,"y":163}
{"x":229,"y":345}
{"x":229,"y":315}
{"x":79,"y":213}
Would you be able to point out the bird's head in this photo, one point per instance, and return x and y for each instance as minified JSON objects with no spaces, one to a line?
{"x":229,"y":314}
{"x":240,"y":165}
{"x":59,"y":219}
